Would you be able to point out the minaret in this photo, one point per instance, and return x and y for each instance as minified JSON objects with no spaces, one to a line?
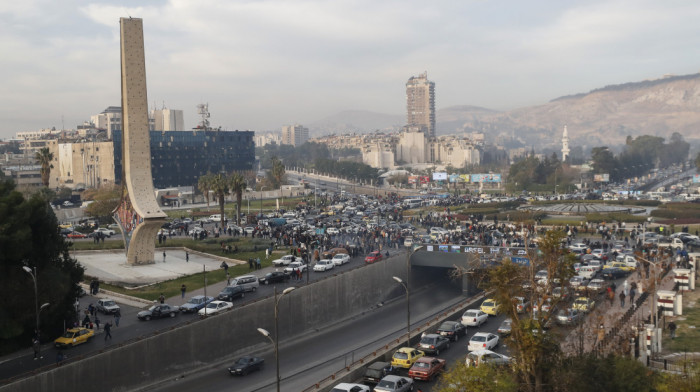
{"x":565,"y":145}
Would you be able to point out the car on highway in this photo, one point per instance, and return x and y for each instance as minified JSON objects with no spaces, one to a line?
{"x":584,"y":304}
{"x":577,"y":281}
{"x":568,"y":316}
{"x":426,"y":368}
{"x":489,"y":306}
{"x":373,"y":257}
{"x":483,"y":340}
{"x":596,"y":286}
{"x":76,"y":234}
{"x":614,"y":273}
{"x":284,"y":260}
{"x":158,"y":311}
{"x":324,"y":265}
{"x":195,"y":303}
{"x":452,"y":330}
{"x":505,"y":328}
{"x":618,"y":264}
{"x":215,"y":307}
{"x":347,"y":387}
{"x":107,"y":306}
{"x":231,"y":292}
{"x":560,"y":293}
{"x":274,"y":277}
{"x":248,"y":282}
{"x":245,"y":365}
{"x":393,"y":383}
{"x":295,"y":266}
{"x":432,"y":343}
{"x":106,"y":232}
{"x":546,"y":305}
{"x":474,"y":318}
{"x":581,"y":247}
{"x":340,"y":259}
{"x":376,"y":371}
{"x":405,"y":357}
{"x":73,"y":337}
{"x":478,"y":357}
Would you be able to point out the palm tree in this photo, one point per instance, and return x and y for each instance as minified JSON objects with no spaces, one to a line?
{"x":219,"y":185}
{"x":277,"y":172}
{"x":238,"y":185}
{"x":204,"y":185}
{"x":44,"y":157}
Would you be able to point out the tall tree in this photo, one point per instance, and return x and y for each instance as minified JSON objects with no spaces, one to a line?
{"x":238,"y":185}
{"x":276,"y":174}
{"x":220,"y":186}
{"x":104,"y":201}
{"x":204,"y":185}
{"x":44,"y":157}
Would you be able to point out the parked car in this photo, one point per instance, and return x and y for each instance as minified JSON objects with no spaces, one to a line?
{"x":474,"y":317}
{"x":376,"y":371}
{"x":394,"y":384}
{"x":274,"y":277}
{"x":195,"y":303}
{"x":613,"y":273}
{"x":74,"y":336}
{"x":324,"y":265}
{"x":158,"y":311}
{"x":76,"y":234}
{"x":483,"y":340}
{"x":107,"y":232}
{"x":346,"y":387}
{"x":505,"y":328}
{"x":568,"y":316}
{"x":426,"y":368}
{"x":284,"y":260}
{"x":231,"y":292}
{"x":478,"y":357}
{"x":432,"y":343}
{"x":107,"y":306}
{"x":215,"y":307}
{"x":490,"y":307}
{"x":373,"y":257}
{"x":341,"y":258}
{"x":405,"y":357}
{"x":596,"y":286}
{"x":452,"y":330}
{"x":248,"y":282}
{"x":245,"y":365}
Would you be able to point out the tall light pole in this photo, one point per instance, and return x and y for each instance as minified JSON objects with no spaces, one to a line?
{"x":266,"y":334}
{"x":408,"y":293}
{"x":33,"y":274}
{"x":261,"y":189}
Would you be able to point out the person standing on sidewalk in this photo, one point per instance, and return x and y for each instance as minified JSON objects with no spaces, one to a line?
{"x":622,"y":298}
{"x":183,"y":289}
{"x":117,"y":316}
{"x":187,"y":256}
{"x":671,"y":329}
{"x":37,"y":349}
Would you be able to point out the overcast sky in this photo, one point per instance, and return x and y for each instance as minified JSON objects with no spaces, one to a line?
{"x":263,"y":64}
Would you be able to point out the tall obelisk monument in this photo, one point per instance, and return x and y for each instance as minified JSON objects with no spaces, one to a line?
{"x":138,"y":214}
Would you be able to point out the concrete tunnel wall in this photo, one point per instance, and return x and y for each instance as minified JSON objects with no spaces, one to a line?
{"x":172,"y":353}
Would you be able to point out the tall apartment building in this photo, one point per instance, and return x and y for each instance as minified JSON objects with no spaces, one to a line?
{"x":167,"y":120}
{"x":296,"y":135}
{"x":420,"y":103}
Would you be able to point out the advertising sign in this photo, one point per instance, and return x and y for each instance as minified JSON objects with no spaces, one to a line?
{"x":424,"y":180}
{"x":601,"y":177}
{"x":412,"y":180}
{"x":464,"y":177}
{"x":439,"y":176}
{"x":486,"y":178}
{"x":696,"y":178}
{"x":454,"y":178}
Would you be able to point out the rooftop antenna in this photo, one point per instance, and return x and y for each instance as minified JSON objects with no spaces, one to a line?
{"x":203,"y":110}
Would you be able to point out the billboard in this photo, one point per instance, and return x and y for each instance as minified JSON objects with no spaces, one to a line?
{"x":696,"y":178}
{"x":424,"y":180}
{"x":439,"y":176}
{"x":412,"y":180}
{"x":486,"y":178}
{"x":455,"y":178}
{"x":601,"y":177}
{"x":464,"y":177}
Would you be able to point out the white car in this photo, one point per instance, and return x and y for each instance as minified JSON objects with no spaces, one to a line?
{"x":581,"y":247}
{"x":474,"y":317}
{"x":285,"y":260}
{"x":345,"y":387}
{"x":408,"y":242}
{"x":341,"y":258}
{"x":215,"y":307}
{"x":293,"y":267}
{"x":106,"y":232}
{"x":324,"y":265}
{"x":483,"y":341}
{"x":332,"y":231}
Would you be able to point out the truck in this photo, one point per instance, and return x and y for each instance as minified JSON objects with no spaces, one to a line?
{"x":673,"y":243}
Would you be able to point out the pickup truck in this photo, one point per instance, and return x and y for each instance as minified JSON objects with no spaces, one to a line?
{"x":674,"y":243}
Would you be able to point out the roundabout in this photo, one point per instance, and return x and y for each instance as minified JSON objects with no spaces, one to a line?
{"x":582,"y":209}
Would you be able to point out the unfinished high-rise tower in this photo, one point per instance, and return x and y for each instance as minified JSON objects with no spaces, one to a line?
{"x":420,"y":104}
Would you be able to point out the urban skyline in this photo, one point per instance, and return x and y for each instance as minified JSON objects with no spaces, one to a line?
{"x":262,"y":65}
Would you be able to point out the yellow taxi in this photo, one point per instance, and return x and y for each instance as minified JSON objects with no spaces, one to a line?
{"x":74,"y":337}
{"x":489,"y":306}
{"x":620,"y":265}
{"x":405,"y":357}
{"x":583,"y":304}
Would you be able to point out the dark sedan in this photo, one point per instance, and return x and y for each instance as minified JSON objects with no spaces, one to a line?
{"x":614,"y":273}
{"x":274,"y":277}
{"x":158,"y":311}
{"x":433,"y":343}
{"x":245,"y":365}
{"x":195,"y":303}
{"x":231,"y":292}
{"x":452,"y":330}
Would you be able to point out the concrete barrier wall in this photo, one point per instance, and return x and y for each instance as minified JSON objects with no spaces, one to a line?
{"x":176,"y":352}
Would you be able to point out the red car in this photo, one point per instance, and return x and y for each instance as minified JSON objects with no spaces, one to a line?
{"x":426,"y":368}
{"x":374,"y":256}
{"x":76,"y":234}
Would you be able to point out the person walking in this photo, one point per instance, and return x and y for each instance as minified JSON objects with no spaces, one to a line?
{"x":161,"y":298}
{"x":117,"y":317}
{"x":622,"y":298}
{"x":97,"y":322}
{"x":187,"y":256}
{"x":633,"y":292}
{"x":108,"y":331}
{"x":164,"y":257}
{"x":671,"y":329}
{"x":183,"y":289}
{"x":37,"y":349}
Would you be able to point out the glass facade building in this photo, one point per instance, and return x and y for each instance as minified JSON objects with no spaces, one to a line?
{"x":179,"y":158}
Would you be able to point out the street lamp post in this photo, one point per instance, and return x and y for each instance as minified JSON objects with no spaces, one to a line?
{"x":275,"y":341}
{"x":38,"y":309}
{"x":405,"y":286}
{"x":261,"y":198}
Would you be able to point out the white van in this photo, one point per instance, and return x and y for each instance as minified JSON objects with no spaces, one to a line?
{"x":587,"y":271}
{"x":248,"y":282}
{"x":412,"y":203}
{"x":216,"y":218}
